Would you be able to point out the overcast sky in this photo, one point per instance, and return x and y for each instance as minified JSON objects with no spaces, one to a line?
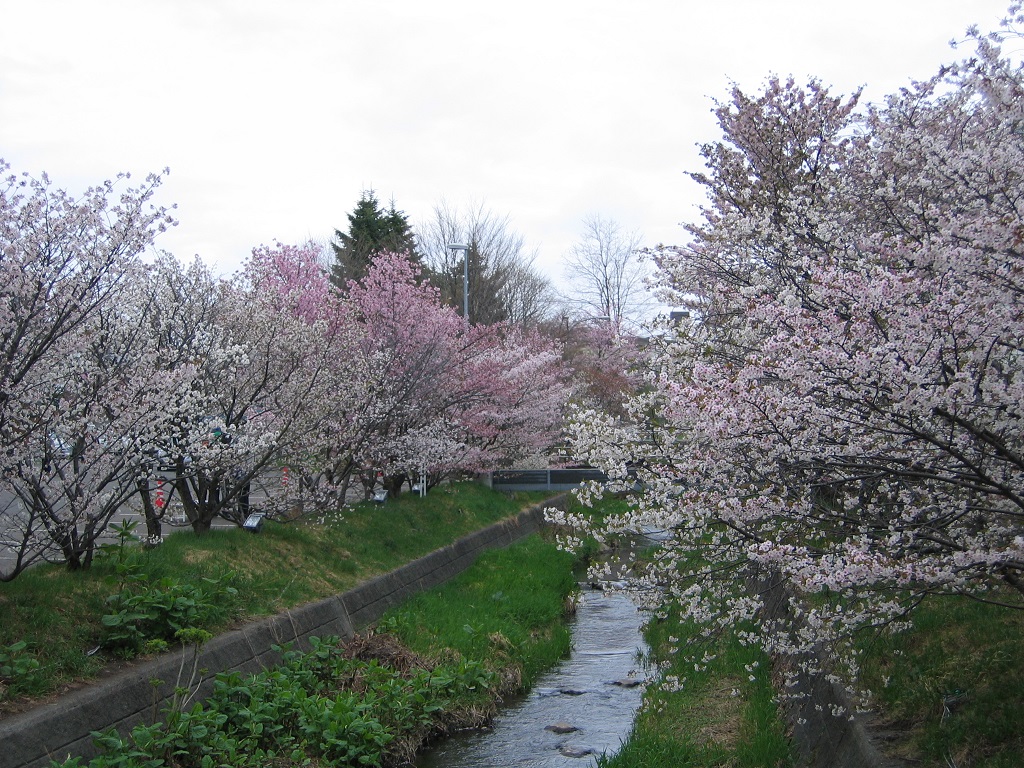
{"x":274,"y":115}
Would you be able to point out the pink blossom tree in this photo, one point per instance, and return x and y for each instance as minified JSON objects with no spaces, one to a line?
{"x":516,"y":397}
{"x":844,"y":407}
{"x":449,"y":397}
{"x":607,"y":365}
{"x":417,"y":350}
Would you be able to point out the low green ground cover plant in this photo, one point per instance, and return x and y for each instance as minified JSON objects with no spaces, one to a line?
{"x":19,"y":670}
{"x":58,"y":615}
{"x":148,"y":614}
{"x":319,"y":707}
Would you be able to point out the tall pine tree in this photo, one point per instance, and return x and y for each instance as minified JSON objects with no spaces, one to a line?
{"x":371,"y":231}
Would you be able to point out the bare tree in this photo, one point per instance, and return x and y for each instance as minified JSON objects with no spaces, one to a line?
{"x":607,"y":273}
{"x":503,"y":283}
{"x":529,"y":297}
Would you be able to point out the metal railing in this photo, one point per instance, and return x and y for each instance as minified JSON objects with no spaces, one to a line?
{"x":542,"y":479}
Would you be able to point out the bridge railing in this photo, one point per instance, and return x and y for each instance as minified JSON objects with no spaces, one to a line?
{"x":541,"y":479}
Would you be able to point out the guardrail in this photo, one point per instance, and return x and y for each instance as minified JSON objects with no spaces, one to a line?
{"x":541,"y":479}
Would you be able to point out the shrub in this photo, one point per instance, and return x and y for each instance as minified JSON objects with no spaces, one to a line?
{"x":142,"y":612}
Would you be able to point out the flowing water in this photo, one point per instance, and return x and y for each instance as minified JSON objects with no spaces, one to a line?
{"x":596,"y":691}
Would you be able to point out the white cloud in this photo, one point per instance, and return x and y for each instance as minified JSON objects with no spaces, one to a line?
{"x":274,"y":116}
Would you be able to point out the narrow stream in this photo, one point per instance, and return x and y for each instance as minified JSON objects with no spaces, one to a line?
{"x":596,"y":691}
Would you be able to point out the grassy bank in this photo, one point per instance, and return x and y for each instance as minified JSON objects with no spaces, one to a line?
{"x":374,"y":701}
{"x":51,"y":620}
{"x":953,"y":686}
{"x":505,"y":612}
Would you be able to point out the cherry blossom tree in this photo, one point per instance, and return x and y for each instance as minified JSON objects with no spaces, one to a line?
{"x":106,"y":394}
{"x":319,"y":454}
{"x":262,"y":386}
{"x":73,"y":382}
{"x":63,"y":259}
{"x":418,"y":350}
{"x":515,"y":399}
{"x":843,"y":408}
{"x":180,"y":324}
{"x":606,"y":365}
{"x":123,"y":376}
{"x":448,"y":396}
{"x":504,"y":405}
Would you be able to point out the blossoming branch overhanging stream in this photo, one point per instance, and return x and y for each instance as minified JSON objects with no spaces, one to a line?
{"x":580,"y":709}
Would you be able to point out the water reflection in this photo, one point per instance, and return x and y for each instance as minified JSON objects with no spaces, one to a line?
{"x":595,"y":692}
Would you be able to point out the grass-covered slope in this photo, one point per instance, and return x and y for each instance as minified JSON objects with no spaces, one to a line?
{"x":52,"y":631}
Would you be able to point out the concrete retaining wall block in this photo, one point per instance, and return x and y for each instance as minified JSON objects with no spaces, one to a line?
{"x":822,"y":739}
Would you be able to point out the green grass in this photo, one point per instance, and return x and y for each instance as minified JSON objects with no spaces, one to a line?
{"x":954,"y":683}
{"x":505,"y":612}
{"x":57,"y":612}
{"x":717,"y":716}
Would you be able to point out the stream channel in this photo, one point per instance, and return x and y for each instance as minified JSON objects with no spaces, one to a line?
{"x":595,"y":691}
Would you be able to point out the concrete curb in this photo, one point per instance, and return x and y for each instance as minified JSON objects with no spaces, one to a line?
{"x":63,"y":727}
{"x":822,"y":740}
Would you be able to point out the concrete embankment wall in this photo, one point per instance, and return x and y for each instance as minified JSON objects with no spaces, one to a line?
{"x":822,"y":739}
{"x":53,"y":731}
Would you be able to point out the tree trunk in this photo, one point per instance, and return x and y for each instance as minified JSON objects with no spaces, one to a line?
{"x":71,"y":550}
{"x":393,"y":484}
{"x":153,"y":516}
{"x":200,"y":509}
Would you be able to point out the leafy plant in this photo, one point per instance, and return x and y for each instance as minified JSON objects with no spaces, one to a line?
{"x":143,"y":612}
{"x":18,"y":669}
{"x":465,"y":676}
{"x":318,"y":704}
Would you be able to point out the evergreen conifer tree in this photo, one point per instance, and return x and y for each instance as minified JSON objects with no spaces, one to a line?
{"x":371,"y":230}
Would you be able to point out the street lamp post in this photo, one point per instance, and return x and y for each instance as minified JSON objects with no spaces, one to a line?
{"x":465,"y":276}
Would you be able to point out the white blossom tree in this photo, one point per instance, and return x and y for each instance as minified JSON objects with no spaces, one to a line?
{"x":74,"y":382}
{"x":264,"y":377}
{"x":844,"y":407}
